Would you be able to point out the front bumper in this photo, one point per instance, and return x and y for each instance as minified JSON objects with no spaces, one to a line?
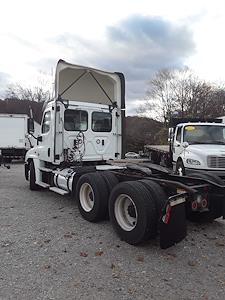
{"x":220,"y":173}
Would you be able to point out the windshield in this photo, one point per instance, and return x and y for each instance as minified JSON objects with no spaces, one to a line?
{"x":204,"y":134}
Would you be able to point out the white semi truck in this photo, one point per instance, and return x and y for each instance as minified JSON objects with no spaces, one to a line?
{"x":82,"y":136}
{"x":194,"y":145}
{"x":14,"y":138}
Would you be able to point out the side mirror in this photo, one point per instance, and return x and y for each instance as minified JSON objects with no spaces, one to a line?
{"x":30,"y":125}
{"x":170,"y":134}
{"x":185,"y":144}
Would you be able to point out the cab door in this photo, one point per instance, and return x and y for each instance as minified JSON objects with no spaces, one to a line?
{"x":45,"y":140}
{"x":177,"y":144}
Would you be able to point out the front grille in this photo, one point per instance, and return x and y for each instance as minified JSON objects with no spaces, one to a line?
{"x":214,"y":161}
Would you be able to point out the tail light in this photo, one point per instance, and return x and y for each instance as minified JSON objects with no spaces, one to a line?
{"x":194,"y":205}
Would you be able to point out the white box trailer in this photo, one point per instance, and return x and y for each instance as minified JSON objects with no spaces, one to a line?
{"x":14,"y":139}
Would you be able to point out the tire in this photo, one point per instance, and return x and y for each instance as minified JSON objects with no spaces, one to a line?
{"x":215,"y":205}
{"x":132,"y":212}
{"x":158,"y":194}
{"x":32,"y":178}
{"x":92,"y":196}
{"x":79,"y":171}
{"x":180,"y":169}
{"x":155,"y":157}
{"x":110,"y":180}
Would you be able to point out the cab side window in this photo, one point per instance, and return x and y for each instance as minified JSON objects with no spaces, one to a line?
{"x":178,"y":137}
{"x":46,"y":122}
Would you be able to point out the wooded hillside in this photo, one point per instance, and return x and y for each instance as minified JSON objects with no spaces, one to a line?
{"x":141,"y":131}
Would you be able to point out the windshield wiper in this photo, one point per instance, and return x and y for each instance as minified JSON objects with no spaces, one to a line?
{"x":197,"y":143}
{"x":207,"y":143}
{"x":218,"y":142}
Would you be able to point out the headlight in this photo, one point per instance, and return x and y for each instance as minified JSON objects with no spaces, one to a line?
{"x":193,"y":162}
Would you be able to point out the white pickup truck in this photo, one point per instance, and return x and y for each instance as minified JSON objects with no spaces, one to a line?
{"x":193,"y":146}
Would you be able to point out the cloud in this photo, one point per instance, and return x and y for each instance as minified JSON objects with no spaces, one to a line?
{"x":44,"y":64}
{"x":137,"y":46}
{"x":142,"y":45}
{"x":22,"y":42}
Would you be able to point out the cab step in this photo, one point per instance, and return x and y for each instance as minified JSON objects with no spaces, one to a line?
{"x":43,"y":169}
{"x":58,"y":191}
{"x":42,"y":184}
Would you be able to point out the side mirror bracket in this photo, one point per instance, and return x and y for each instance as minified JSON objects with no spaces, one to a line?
{"x":39,"y":138}
{"x":30,"y":125}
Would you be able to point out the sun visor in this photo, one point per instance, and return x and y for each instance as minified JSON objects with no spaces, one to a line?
{"x":83,"y":84}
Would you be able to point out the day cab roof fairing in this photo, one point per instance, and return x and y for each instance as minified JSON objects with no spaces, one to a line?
{"x":85,"y":84}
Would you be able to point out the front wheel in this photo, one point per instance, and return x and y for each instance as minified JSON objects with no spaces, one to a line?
{"x":32,"y":178}
{"x":180,"y":169}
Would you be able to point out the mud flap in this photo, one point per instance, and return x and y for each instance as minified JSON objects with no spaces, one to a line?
{"x":172,"y":226}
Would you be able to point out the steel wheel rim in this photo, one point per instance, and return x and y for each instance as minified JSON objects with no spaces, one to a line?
{"x":86,"y":197}
{"x":180,"y":171}
{"x":125,"y":212}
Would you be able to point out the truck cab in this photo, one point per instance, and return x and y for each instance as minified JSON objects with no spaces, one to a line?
{"x":198,"y":146}
{"x":82,"y":124}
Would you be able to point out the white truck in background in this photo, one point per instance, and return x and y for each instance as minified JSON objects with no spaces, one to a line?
{"x":14,"y":138}
{"x":194,"y":145}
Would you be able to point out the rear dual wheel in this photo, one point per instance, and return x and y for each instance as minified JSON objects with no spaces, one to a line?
{"x":133,"y":212}
{"x":157,"y":193}
{"x":93,"y":190}
{"x":134,"y":207}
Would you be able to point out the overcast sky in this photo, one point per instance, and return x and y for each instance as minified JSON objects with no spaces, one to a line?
{"x":136,"y":37}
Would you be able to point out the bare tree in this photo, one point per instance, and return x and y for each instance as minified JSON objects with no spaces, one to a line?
{"x":38,"y":94}
{"x":180,"y":92}
{"x":160,"y":95}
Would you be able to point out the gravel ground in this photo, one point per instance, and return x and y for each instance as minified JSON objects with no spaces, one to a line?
{"x":47,"y":251}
